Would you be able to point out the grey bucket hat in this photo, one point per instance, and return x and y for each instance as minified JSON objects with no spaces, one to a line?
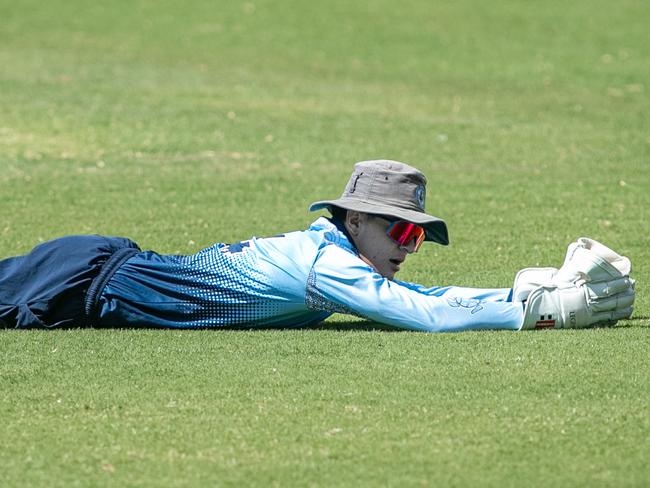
{"x":389,"y":188}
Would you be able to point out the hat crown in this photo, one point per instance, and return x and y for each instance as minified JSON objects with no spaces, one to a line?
{"x":386,"y":182}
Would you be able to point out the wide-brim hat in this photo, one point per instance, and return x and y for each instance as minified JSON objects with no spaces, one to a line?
{"x":389,"y":188}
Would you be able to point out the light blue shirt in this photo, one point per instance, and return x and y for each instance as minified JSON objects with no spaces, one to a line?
{"x":293,"y":280}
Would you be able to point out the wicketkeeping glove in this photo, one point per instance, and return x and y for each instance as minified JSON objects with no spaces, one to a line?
{"x":591,"y":288}
{"x":586,"y":261}
{"x":578,"y":306}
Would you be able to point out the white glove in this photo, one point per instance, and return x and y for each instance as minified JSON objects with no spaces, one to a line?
{"x":528,"y":279}
{"x":586,"y":261}
{"x":578,"y":306}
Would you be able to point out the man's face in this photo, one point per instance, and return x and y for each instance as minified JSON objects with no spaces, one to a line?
{"x":375,"y":247}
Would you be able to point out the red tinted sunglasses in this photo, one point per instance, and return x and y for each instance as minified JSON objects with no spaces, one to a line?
{"x":403,"y":232}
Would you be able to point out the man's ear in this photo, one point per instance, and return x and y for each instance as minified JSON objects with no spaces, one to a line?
{"x":353,"y":220}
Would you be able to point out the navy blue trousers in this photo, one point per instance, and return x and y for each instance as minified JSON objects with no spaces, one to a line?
{"x":49,"y":287}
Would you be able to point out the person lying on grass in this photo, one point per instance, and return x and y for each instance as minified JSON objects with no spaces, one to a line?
{"x":346,"y":263}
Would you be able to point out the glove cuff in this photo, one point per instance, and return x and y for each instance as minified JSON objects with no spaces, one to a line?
{"x":528,"y":279}
{"x":550,"y":307}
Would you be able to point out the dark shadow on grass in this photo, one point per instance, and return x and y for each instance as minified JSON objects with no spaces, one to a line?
{"x":642,"y":321}
{"x":363,"y":325}
{"x":345,"y":326}
{"x":351,"y":325}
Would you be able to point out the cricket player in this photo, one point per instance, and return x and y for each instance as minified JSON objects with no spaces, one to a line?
{"x":346,"y":263}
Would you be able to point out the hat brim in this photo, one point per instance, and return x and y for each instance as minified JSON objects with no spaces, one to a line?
{"x":435,"y":228}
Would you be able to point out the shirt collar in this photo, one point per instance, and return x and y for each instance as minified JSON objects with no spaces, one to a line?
{"x":335,"y":232}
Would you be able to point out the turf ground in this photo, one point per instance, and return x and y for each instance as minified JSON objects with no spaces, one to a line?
{"x":179,"y":124}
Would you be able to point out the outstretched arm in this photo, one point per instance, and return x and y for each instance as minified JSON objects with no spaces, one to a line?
{"x":339,"y":281}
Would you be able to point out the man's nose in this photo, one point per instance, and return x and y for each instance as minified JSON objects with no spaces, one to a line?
{"x":410,"y":247}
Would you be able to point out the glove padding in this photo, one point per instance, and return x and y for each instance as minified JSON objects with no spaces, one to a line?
{"x":579,"y":306}
{"x":586,"y":261}
{"x":528,"y":279}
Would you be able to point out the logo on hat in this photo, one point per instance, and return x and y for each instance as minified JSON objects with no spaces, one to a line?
{"x":420,"y":193}
{"x":354,"y":185}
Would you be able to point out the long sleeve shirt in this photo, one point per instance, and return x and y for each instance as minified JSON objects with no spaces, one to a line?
{"x":291,"y":280}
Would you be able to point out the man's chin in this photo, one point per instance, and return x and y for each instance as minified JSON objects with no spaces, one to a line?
{"x":389,"y":275}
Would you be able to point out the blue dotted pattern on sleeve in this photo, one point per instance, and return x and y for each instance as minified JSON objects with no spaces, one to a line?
{"x":315,"y":300}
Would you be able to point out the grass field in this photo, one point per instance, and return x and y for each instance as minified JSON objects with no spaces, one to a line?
{"x":180,"y":124}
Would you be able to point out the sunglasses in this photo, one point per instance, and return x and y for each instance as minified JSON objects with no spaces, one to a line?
{"x":403,"y":232}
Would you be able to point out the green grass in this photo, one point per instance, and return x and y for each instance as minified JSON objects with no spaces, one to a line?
{"x":182,"y":124}
{"x":317,"y":407}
